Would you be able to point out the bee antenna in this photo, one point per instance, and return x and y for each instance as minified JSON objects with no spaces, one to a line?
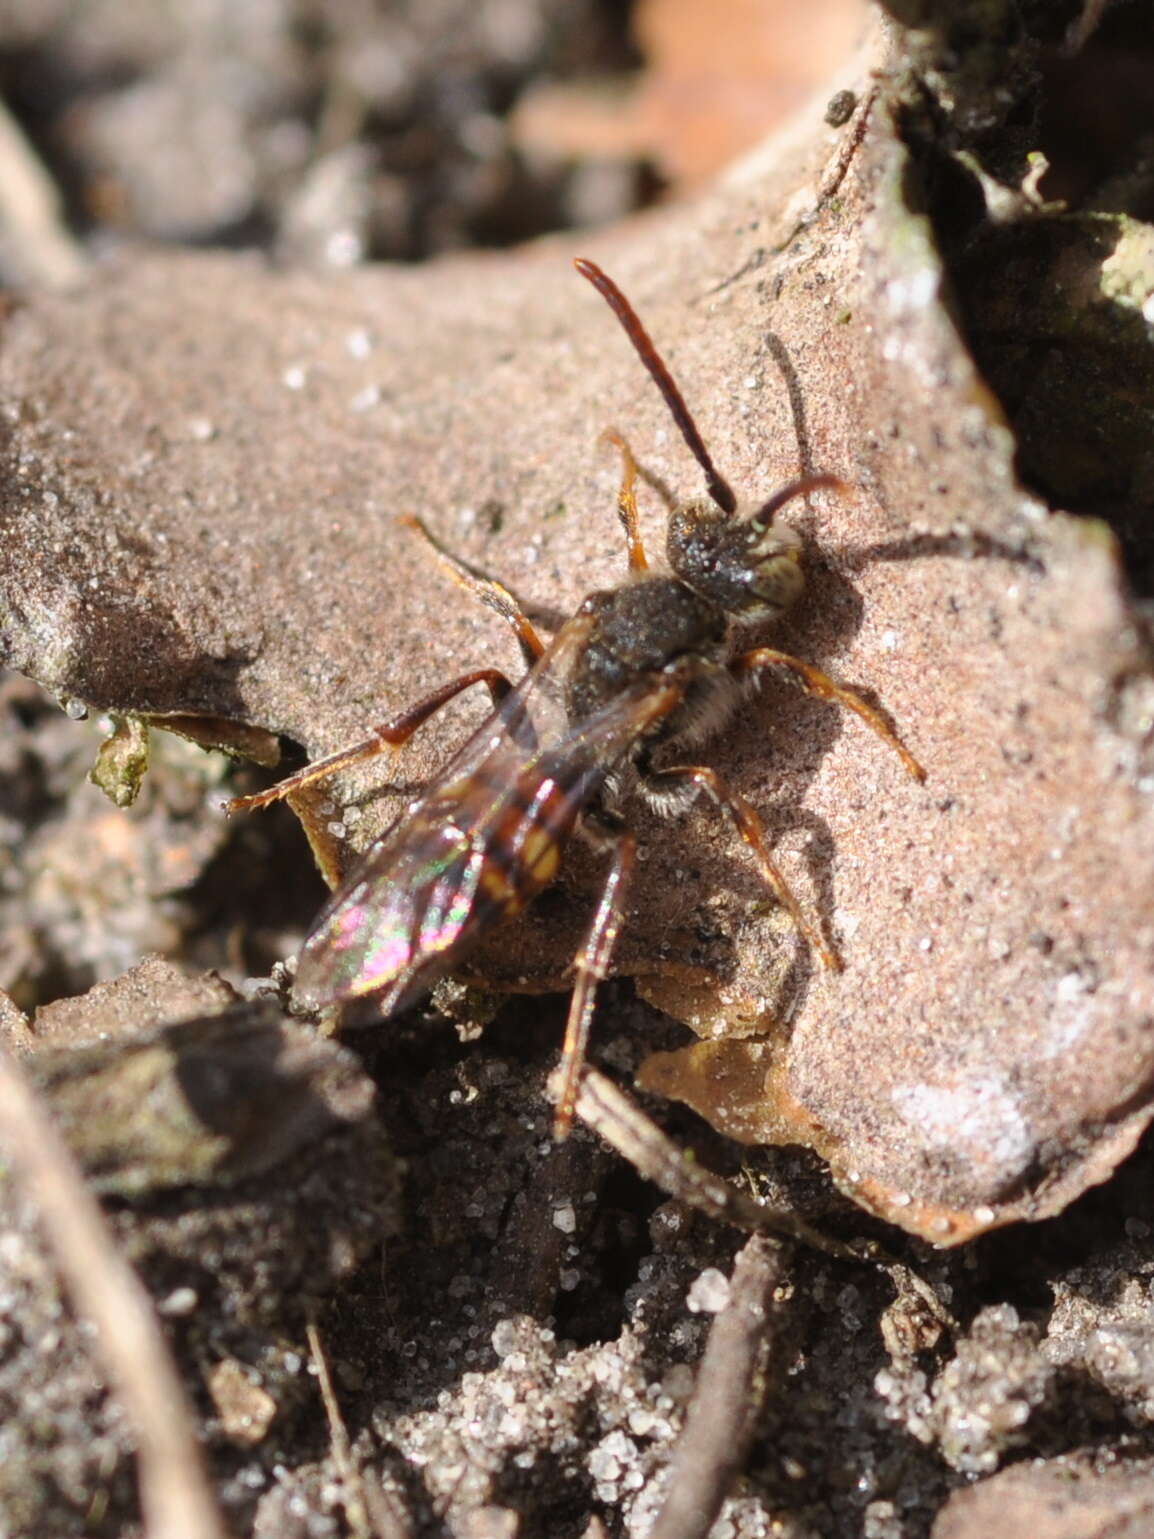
{"x":800,"y":488}
{"x":719,"y":488}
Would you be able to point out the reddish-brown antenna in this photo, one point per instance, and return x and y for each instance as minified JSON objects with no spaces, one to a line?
{"x":719,"y":488}
{"x":800,"y":488}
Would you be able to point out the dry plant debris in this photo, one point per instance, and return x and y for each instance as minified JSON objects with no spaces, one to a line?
{"x":175,"y":1496}
{"x":258,"y":1181}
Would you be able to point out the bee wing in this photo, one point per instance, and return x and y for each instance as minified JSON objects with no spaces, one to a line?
{"x":479,"y":843}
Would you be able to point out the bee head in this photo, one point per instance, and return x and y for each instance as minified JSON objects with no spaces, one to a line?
{"x":750,"y":567}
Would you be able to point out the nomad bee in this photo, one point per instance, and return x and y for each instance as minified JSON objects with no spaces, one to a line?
{"x":641,"y":673}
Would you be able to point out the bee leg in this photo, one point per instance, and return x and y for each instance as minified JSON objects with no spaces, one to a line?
{"x":393,"y":733}
{"x":591,"y":965}
{"x":823,"y":687}
{"x":605,"y":1107}
{"x":493,"y":594}
{"x":627,"y":502}
{"x":752,"y":832}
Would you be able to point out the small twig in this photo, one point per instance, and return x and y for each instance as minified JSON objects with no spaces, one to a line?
{"x":350,"y":1475}
{"x":372,"y":1514}
{"x":175,"y":1495}
{"x":722,"y":1415}
{"x":1083,"y":28}
{"x":37,"y":238}
{"x":838,"y":164}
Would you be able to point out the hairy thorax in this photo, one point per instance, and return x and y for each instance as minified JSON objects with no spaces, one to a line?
{"x":641,"y":630}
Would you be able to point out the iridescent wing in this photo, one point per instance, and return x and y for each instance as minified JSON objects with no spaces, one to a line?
{"x":481,"y":841}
